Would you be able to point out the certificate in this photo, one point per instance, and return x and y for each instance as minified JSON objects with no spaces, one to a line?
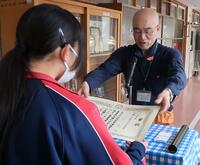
{"x":128,"y":122}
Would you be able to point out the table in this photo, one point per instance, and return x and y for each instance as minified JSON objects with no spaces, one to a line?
{"x":188,"y":152}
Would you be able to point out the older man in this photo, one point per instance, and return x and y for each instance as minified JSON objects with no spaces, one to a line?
{"x":159,"y":74}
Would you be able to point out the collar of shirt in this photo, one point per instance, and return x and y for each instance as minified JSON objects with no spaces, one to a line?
{"x":44,"y":77}
{"x":40,"y":76}
{"x":150,"y":53}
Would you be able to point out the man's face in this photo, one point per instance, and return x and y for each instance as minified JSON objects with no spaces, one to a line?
{"x":145,"y":33}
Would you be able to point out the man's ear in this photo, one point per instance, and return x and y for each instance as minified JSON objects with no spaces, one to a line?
{"x":64,"y":52}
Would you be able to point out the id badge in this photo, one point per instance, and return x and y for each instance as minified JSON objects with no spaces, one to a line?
{"x":144,"y":96}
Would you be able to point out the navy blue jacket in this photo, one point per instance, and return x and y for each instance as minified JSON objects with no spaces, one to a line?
{"x":166,"y":70}
{"x":61,"y":127}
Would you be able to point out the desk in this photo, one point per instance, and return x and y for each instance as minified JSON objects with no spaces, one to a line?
{"x":188,"y":152}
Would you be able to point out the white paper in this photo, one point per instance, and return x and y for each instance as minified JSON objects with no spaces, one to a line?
{"x":128,"y":122}
{"x":163,"y":136}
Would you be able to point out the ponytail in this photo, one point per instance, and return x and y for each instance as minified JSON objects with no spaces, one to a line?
{"x":12,"y":71}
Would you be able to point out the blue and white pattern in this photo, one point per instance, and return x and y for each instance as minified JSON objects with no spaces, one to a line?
{"x":188,"y":152}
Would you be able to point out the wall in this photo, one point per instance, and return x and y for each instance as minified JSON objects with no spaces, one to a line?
{"x":189,"y":57}
{"x":189,"y":62}
{"x":9,"y":17}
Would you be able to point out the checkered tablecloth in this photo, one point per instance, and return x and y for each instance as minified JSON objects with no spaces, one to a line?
{"x":188,"y":152}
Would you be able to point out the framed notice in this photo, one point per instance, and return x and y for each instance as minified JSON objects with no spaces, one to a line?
{"x":95,"y":36}
{"x":128,"y":122}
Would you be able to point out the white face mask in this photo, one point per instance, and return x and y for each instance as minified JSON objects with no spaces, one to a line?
{"x":68,"y":75}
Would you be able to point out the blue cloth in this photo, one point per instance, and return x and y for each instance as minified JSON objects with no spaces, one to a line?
{"x":188,"y":152}
{"x":166,"y":70}
{"x":61,"y":127}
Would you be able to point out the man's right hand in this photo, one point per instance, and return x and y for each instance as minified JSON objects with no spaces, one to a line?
{"x":84,"y":90}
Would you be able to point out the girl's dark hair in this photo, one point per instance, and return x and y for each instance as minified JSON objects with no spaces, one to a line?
{"x":38,"y":34}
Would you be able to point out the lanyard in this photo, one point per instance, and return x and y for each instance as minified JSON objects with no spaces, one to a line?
{"x":149,"y":68}
{"x":147,"y":72}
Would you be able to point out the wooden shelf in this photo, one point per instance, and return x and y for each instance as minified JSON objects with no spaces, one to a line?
{"x":100,"y":55}
{"x":83,"y":12}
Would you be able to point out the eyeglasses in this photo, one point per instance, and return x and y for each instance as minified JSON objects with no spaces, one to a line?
{"x":146,"y":31}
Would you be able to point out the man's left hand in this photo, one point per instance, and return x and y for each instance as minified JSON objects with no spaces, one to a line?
{"x":163,"y":100}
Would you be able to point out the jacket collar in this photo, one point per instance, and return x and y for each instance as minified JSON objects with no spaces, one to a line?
{"x":150,"y":53}
{"x":45,"y":77}
{"x":41,"y":76}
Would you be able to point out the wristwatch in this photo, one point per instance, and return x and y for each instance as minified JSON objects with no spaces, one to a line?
{"x":170,"y":94}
